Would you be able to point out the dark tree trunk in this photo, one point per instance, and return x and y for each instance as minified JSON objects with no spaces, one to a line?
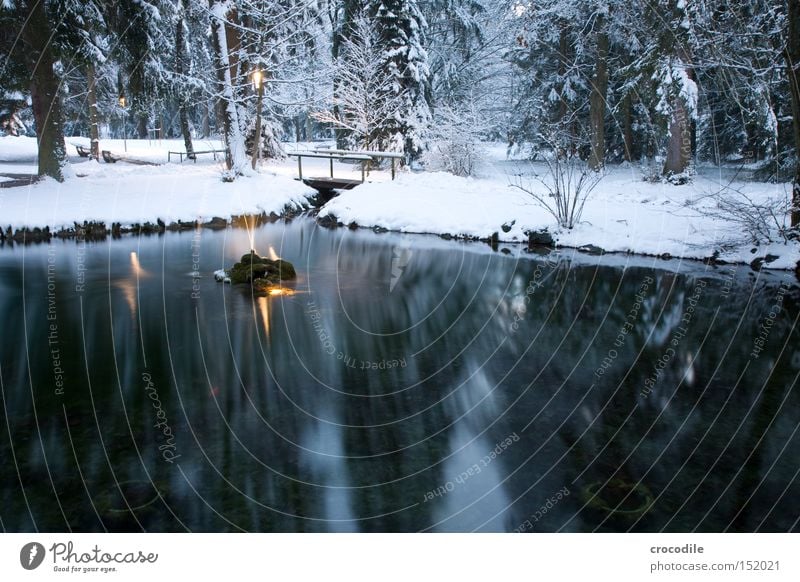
{"x":792,"y":64}
{"x":180,"y":68}
{"x":298,"y":129}
{"x":94,"y":123}
{"x":679,"y":148}
{"x":627,"y":126}
{"x":350,"y":11}
{"x":141,"y":126}
{"x":597,"y":101}
{"x":46,"y":102}
{"x":563,"y":47}
{"x":206,"y":121}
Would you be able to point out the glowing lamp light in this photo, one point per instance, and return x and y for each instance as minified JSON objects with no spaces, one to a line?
{"x":258,"y":77}
{"x":122,"y":101}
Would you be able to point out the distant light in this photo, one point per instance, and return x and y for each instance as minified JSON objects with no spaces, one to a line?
{"x":258,"y":76}
{"x":122,"y":101}
{"x":280,"y":291}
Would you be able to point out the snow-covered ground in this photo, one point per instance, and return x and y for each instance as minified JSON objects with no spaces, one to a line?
{"x":131,"y":194}
{"x":623,"y":214}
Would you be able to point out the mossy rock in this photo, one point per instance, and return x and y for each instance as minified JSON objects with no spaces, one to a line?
{"x":285,"y":270}
{"x":261,"y":272}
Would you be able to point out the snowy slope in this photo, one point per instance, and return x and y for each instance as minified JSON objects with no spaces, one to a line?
{"x":623,"y":214}
{"x":132,"y":194}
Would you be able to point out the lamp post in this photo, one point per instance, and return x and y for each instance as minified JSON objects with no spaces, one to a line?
{"x":122,"y":103}
{"x":258,"y":84}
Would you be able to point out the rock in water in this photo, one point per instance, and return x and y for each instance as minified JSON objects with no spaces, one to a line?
{"x":260,"y":272}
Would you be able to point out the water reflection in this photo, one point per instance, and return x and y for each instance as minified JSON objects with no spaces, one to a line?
{"x":402,"y":384}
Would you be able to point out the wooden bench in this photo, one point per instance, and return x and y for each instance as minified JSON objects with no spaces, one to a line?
{"x":83,"y":152}
{"x":111,"y":158}
{"x":214,"y":152}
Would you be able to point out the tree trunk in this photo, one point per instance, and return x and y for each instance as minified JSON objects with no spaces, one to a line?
{"x":206,"y":121}
{"x":94,"y":123}
{"x":236,"y":157}
{"x":597,"y":101}
{"x":46,"y":102}
{"x":792,"y":64}
{"x":180,"y":69}
{"x":142,"y":130}
{"x":350,"y":11}
{"x":679,"y":148}
{"x":563,"y":46}
{"x":627,"y":126}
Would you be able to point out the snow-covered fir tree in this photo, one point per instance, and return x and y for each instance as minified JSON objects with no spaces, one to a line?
{"x":401,"y":30}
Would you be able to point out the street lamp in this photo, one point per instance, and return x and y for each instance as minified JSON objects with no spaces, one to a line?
{"x":258,"y":83}
{"x":122,"y":103}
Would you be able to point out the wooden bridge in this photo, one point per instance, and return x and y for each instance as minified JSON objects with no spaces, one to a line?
{"x":327,"y":184}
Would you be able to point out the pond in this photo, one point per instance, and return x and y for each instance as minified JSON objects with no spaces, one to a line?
{"x":402,"y":383}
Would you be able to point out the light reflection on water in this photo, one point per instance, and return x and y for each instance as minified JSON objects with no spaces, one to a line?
{"x":393,"y":366}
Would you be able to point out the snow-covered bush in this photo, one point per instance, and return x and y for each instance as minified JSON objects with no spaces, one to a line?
{"x":456,"y":145}
{"x":752,"y":222}
{"x":564,"y":188}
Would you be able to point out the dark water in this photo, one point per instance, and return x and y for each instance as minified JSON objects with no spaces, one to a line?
{"x":408,"y":384}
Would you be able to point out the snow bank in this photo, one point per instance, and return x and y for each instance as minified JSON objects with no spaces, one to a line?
{"x":623,"y":214}
{"x":135,"y":194}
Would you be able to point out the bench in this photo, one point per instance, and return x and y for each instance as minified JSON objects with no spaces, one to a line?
{"x":112,"y":158}
{"x":83,"y":152}
{"x":214,"y":152}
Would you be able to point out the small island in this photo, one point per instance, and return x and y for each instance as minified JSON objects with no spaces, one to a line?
{"x":261,"y":273}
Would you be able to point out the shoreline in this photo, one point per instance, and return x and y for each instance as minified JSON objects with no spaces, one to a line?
{"x":98,"y":231}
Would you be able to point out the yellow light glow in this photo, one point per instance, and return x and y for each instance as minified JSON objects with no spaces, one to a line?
{"x":257,"y":78}
{"x":137,"y":268}
{"x":280,"y":291}
{"x":263,"y":308}
{"x":122,"y":101}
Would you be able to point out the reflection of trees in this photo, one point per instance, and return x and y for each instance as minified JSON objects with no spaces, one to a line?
{"x":286,"y":426}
